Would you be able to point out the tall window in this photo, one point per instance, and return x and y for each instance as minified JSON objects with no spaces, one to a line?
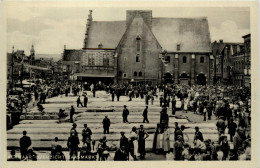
{"x":107,"y":60}
{"x":201,"y":59}
{"x":137,"y":58}
{"x":104,"y":60}
{"x":138,"y":47}
{"x":184,"y":59}
{"x":135,"y":73}
{"x":140,"y":73}
{"x":138,"y":43}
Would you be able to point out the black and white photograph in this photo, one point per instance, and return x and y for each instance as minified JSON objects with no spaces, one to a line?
{"x":130,"y":83}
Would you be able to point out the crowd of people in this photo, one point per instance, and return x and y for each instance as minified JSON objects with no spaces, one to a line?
{"x":229,"y":105}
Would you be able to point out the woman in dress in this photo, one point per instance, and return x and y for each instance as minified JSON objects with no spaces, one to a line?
{"x":133,"y":134}
{"x":157,"y":139}
{"x":166,"y":140}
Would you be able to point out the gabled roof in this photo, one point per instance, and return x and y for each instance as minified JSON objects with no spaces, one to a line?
{"x":107,"y":33}
{"x":72,"y":55}
{"x":191,"y":33}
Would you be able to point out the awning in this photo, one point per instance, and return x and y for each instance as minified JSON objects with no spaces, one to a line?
{"x":36,"y":67}
{"x":97,"y":75}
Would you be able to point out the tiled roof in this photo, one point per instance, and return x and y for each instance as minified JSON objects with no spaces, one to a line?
{"x":191,"y":33}
{"x":107,"y":33}
{"x":72,"y":55}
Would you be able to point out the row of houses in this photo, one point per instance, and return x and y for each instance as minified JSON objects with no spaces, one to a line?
{"x":21,"y":66}
{"x":232,"y":62}
{"x":153,"y":50}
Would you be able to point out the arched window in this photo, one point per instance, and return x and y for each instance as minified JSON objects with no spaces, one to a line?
{"x":184,"y":59}
{"x":140,"y":73}
{"x":201,"y":59}
{"x":135,"y":73}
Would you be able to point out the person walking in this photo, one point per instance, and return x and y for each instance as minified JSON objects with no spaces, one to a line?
{"x":72,"y":112}
{"x":142,"y":134}
{"x":145,"y":113}
{"x":79,"y":102}
{"x":25,"y":143}
{"x":106,"y":124}
{"x":86,"y":136}
{"x":125,"y":114}
{"x":85,"y":101}
{"x":73,"y":142}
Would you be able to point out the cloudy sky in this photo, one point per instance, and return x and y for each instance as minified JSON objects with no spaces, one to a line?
{"x":50,"y":28}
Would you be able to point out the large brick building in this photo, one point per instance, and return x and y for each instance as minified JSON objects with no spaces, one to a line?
{"x":131,"y":50}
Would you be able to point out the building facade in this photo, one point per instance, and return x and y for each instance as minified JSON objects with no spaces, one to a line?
{"x":247,"y":60}
{"x":232,"y":62}
{"x":225,"y":70}
{"x":130,"y":51}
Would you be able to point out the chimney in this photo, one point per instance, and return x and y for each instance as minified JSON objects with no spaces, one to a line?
{"x":221,"y":40}
{"x":13,"y":49}
{"x":64,"y":47}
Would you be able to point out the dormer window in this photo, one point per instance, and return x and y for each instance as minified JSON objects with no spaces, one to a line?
{"x":178,"y":47}
{"x":100,"y":45}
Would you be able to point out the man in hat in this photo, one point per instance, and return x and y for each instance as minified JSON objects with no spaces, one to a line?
{"x":106,"y":124}
{"x":73,"y":129}
{"x":73,"y":142}
{"x":86,"y":136}
{"x":125,"y":114}
{"x":145,"y":115}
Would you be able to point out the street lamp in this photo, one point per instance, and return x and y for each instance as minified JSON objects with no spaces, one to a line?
{"x":163,"y":57}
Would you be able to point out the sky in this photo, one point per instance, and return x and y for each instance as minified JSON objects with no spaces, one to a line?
{"x":50,"y":28}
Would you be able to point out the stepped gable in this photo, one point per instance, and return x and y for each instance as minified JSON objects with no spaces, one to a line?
{"x":191,"y":33}
{"x":108,"y":33}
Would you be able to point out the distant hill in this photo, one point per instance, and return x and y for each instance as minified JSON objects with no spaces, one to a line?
{"x":55,"y":57}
